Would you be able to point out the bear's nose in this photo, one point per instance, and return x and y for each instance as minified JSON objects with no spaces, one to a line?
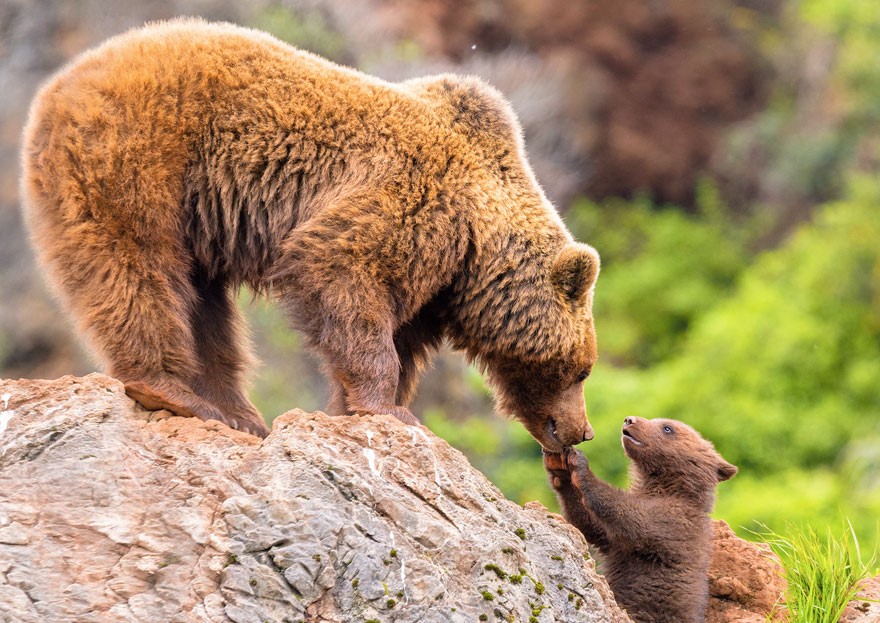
{"x":589,"y":434}
{"x":629,"y":421}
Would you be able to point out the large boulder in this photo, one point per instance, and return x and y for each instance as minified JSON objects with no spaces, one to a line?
{"x":112,"y":513}
{"x":746,"y":580}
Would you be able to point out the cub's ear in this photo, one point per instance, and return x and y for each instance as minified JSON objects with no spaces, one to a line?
{"x":726,"y":471}
{"x":575,"y":270}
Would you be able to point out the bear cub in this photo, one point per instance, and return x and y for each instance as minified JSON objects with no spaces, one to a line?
{"x":654,"y":540}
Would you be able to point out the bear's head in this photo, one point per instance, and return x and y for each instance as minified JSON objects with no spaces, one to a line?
{"x":528,"y":322}
{"x":522,"y":305}
{"x":670,"y":457}
{"x":538,"y":363}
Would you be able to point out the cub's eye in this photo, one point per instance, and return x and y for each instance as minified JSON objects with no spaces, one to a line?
{"x":667,"y":430}
{"x":582,"y":376}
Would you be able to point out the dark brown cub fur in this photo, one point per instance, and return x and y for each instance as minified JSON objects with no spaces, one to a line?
{"x":655,"y":540}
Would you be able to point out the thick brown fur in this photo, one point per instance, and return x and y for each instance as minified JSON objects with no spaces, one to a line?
{"x":655,"y":540}
{"x":179,"y":161}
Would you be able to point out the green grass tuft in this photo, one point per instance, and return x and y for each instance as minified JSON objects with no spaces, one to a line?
{"x":823,"y":573}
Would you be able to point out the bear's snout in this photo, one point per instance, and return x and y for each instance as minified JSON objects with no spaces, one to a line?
{"x":569,"y":415}
{"x":588,"y":433}
{"x":573,"y":430}
{"x":630,"y":424}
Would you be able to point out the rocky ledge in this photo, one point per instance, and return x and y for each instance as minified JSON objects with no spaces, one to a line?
{"x":109,"y":512}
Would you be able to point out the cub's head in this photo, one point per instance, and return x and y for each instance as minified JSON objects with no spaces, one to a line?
{"x":670,"y":457}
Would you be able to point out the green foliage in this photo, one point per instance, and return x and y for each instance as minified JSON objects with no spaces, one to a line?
{"x":855,"y":26}
{"x":822,"y":574}
{"x":660,"y":270}
{"x":796,"y":349}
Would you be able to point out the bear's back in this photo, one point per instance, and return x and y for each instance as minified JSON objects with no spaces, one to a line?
{"x":192,"y":69}
{"x":154,"y":108}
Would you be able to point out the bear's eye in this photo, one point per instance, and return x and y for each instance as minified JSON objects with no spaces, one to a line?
{"x":667,"y":430}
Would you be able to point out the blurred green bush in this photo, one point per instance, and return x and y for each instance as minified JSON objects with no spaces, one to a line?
{"x":661,"y":269}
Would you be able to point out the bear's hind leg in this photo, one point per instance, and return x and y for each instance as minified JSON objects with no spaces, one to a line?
{"x":134,"y":304}
{"x":224,"y":356}
{"x":141,"y":325}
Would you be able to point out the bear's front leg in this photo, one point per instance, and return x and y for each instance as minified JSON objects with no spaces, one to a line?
{"x":364,"y":373}
{"x":362,"y":361}
{"x":336,"y":274}
{"x":623,"y":517}
{"x":571,"y":500}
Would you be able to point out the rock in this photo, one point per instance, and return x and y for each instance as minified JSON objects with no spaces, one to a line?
{"x":746,"y":580}
{"x":110,"y":512}
{"x":865,"y":608}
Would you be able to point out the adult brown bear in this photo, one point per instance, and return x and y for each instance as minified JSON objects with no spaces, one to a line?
{"x":181,"y":160}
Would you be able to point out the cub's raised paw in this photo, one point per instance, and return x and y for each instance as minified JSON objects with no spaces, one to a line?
{"x":577,"y":465}
{"x":557,"y":469}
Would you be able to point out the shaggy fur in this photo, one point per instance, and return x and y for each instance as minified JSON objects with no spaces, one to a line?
{"x":655,"y":540}
{"x":179,"y":161}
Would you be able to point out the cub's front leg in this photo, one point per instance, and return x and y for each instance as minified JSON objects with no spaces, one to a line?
{"x":573,"y":508}
{"x":624,"y":517}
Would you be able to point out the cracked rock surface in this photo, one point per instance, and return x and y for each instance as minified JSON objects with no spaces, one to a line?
{"x":746,"y":580}
{"x":865,"y":608}
{"x":112,"y":513}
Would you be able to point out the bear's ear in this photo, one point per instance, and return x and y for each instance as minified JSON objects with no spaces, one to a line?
{"x":473,"y":105}
{"x":575,"y":270}
{"x":726,"y":471}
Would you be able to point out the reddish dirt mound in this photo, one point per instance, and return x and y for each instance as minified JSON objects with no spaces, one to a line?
{"x":745,"y":580}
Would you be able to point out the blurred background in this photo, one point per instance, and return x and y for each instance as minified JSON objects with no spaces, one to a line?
{"x":723,"y":158}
